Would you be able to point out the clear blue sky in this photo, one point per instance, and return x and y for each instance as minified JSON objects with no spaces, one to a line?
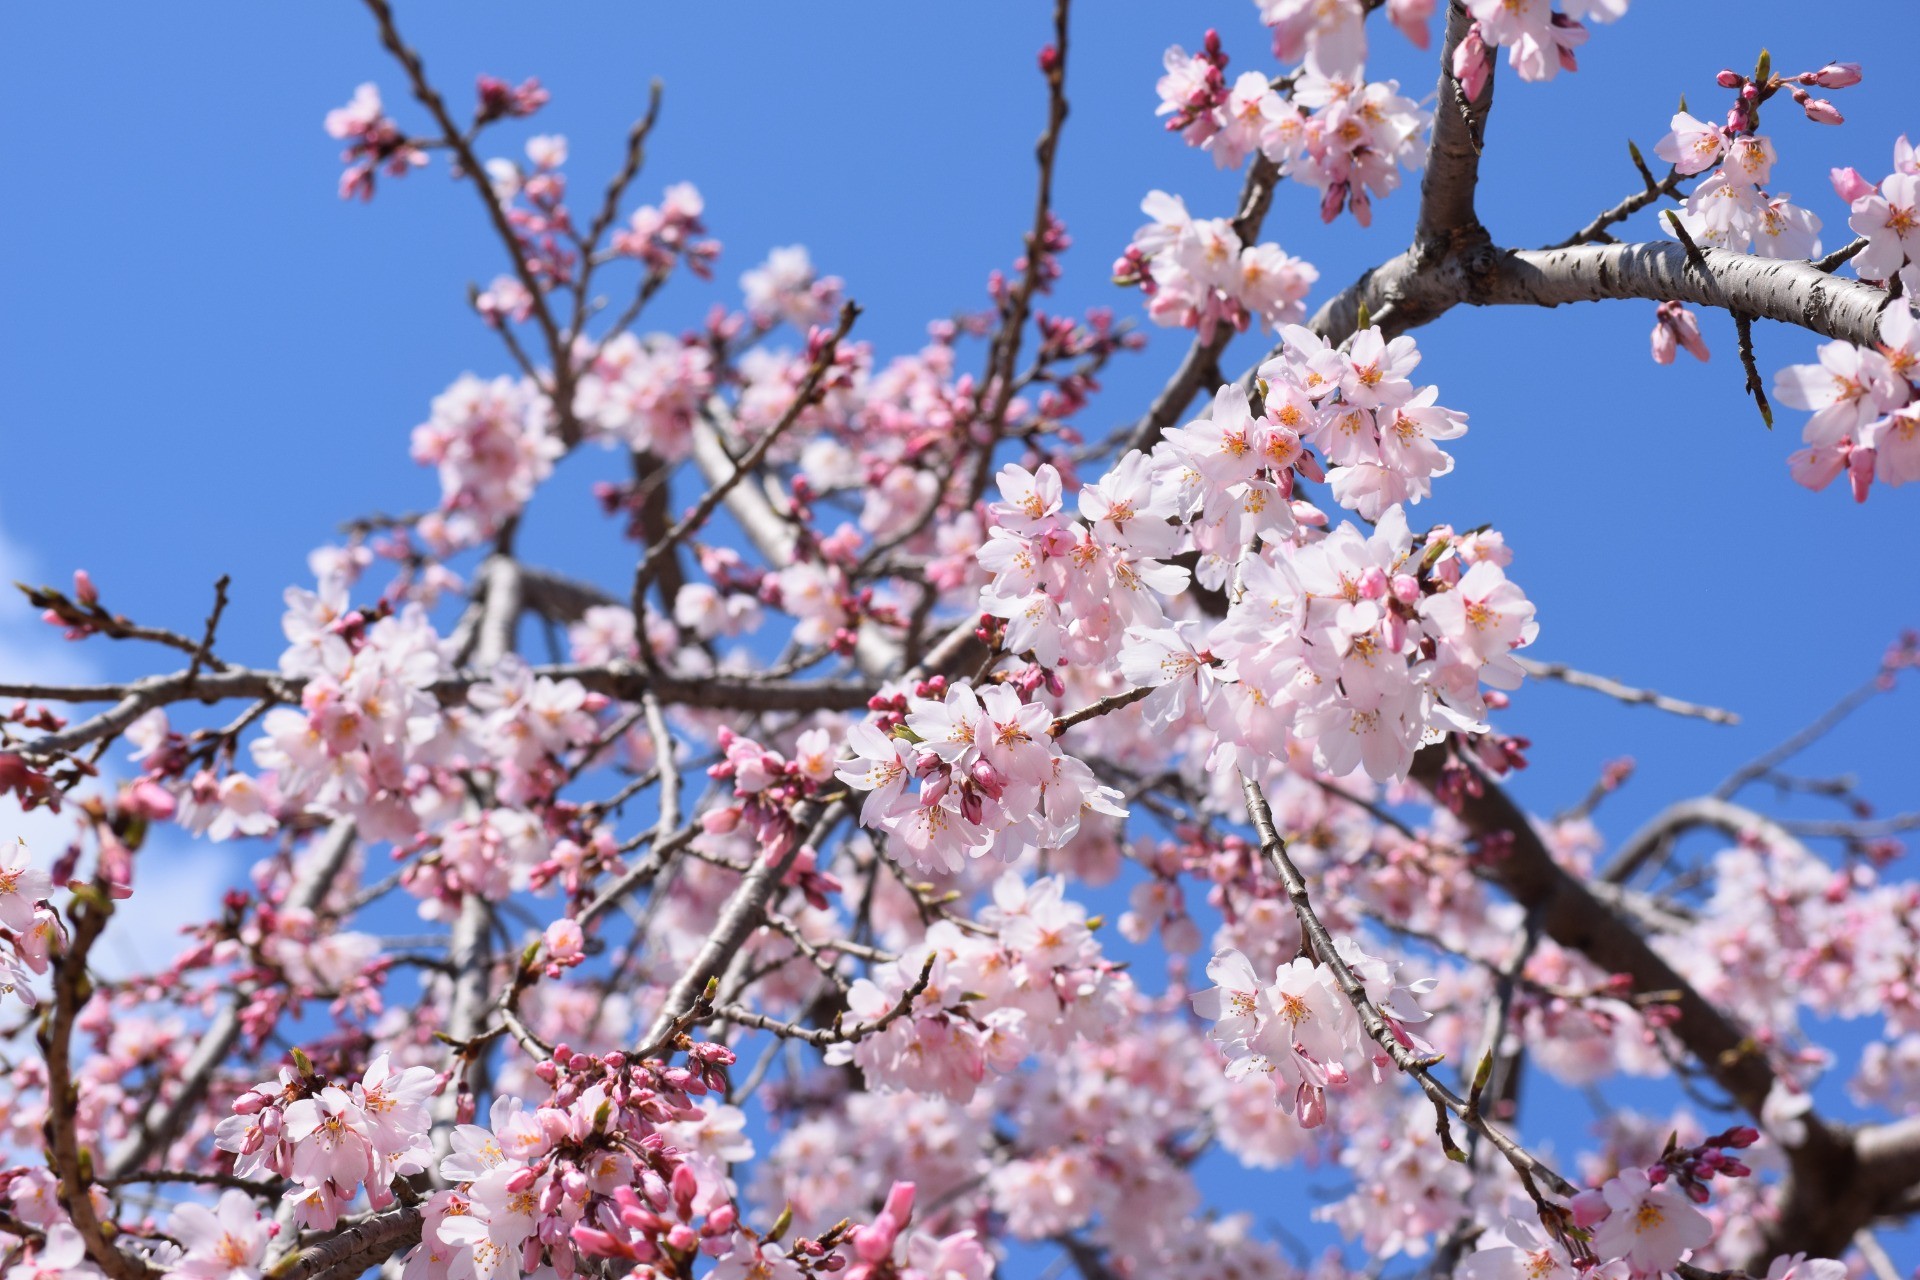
{"x":209,"y":360}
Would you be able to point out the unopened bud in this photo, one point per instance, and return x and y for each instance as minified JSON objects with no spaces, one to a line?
{"x":1835,"y":75}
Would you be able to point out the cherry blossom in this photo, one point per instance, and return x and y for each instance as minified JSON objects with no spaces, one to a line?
{"x":950,"y":825}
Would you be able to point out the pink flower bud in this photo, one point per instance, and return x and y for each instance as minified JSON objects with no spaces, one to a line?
{"x":989,"y":779}
{"x":1835,"y":75}
{"x":874,"y":1243}
{"x":899,"y":1205}
{"x":1729,"y":79}
{"x":1373,"y":583}
{"x":1664,"y":346}
{"x":1860,"y":472}
{"x":1471,"y":64}
{"x":1820,"y":111}
{"x":83,"y":589}
{"x":1406,"y":588}
{"x":150,"y":800}
{"x":1331,"y":200}
{"x":686,"y":1185}
{"x":1849,"y":184}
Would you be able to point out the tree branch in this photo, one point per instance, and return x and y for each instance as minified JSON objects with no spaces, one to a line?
{"x":1406,"y":292}
{"x":1792,"y":292}
{"x":1447,"y":222}
{"x":1624,"y":692}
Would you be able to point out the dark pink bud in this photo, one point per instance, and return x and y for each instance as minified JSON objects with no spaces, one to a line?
{"x":686,"y":1185}
{"x":989,"y":779}
{"x":83,"y":589}
{"x":1729,"y":79}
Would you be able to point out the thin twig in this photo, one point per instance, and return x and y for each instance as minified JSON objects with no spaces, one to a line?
{"x":204,"y":654}
{"x":1624,"y":692}
{"x":1756,"y":386}
{"x":1595,"y":232}
{"x":806,"y":394}
{"x":1445,"y":1101}
{"x":820,"y":1037}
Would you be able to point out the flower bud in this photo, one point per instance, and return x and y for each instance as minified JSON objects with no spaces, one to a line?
{"x":1820,"y":111}
{"x":1835,"y":75}
{"x":1849,"y":185}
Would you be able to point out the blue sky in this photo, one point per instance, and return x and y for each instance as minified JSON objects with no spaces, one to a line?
{"x":209,"y":361}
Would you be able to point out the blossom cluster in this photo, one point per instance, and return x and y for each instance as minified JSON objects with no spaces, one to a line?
{"x":991,"y":777}
{"x":1865,"y":407}
{"x":493,"y":443}
{"x":1356,"y":406}
{"x":1888,"y":215}
{"x":1030,"y":980}
{"x":1731,"y":208}
{"x":1197,"y":274}
{"x":1299,"y":1031}
{"x":374,"y":143}
{"x":28,"y":926}
{"x":1539,"y":39}
{"x":1331,"y":129}
{"x":329,"y":1140}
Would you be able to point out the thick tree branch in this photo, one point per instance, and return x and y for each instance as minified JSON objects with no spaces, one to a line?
{"x":1405,"y":292}
{"x":1575,"y":918}
{"x":1447,"y":223}
{"x":1792,"y":292}
{"x":1838,"y":1180}
{"x":352,"y":1251}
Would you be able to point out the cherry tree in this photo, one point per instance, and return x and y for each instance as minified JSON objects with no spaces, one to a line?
{"x":766,"y":935}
